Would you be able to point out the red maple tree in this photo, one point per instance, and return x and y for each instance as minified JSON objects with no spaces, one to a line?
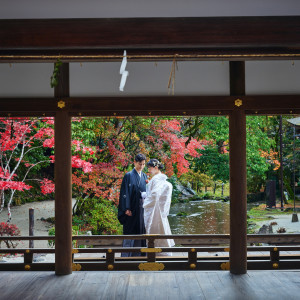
{"x":120,"y":140}
{"x":21,"y":144}
{"x":99,"y":168}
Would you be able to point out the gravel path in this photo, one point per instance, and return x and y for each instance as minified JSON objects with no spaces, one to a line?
{"x":283,"y":221}
{"x":20,"y":217}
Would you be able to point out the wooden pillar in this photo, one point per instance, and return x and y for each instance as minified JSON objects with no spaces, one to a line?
{"x":31,"y":226}
{"x":63,"y":181}
{"x":238,"y":173}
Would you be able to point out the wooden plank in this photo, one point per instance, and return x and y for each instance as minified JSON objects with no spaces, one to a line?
{"x":150,"y":285}
{"x":116,"y":280}
{"x":207,"y":286}
{"x":140,"y":285}
{"x":275,"y":239}
{"x":289,"y":238}
{"x":93,"y":285}
{"x":159,"y":286}
{"x":241,"y":288}
{"x":168,"y":265}
{"x":157,"y":236}
{"x":100,"y":243}
{"x":227,"y":284}
{"x":26,"y":238}
{"x":24,"y":284}
{"x":167,"y":282}
{"x":181,"y":257}
{"x":148,"y":54}
{"x":35,"y":250}
{"x":258,"y":285}
{"x":246,"y":286}
{"x":21,"y":267}
{"x":276,"y":285}
{"x":291,"y":281}
{"x":267,"y":265}
{"x":189,"y":286}
{"x":63,"y":181}
{"x":150,"y":106}
{"x":294,"y":279}
{"x":43,"y":35}
{"x":238,"y":174}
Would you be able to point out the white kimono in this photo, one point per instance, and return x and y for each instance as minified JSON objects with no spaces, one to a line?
{"x":156,"y":209}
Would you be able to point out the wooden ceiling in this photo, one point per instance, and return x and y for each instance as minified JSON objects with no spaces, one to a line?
{"x":218,"y":38}
{"x":205,"y":38}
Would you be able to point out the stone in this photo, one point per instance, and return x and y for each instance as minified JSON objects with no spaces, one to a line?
{"x":265,"y":229}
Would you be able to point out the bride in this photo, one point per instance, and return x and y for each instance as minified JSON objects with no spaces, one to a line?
{"x":157,"y":204}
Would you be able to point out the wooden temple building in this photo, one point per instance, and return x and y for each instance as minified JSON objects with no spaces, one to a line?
{"x":235,"y":41}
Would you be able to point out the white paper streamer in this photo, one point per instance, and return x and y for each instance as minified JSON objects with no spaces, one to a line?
{"x":123,"y":80}
{"x":123,"y":72}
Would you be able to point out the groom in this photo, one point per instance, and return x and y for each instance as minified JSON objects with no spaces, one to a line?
{"x":130,"y":210}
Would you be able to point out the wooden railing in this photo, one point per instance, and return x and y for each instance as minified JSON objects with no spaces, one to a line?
{"x":190,"y":253}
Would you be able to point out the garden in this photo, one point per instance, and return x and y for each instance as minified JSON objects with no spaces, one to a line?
{"x":194,"y":151}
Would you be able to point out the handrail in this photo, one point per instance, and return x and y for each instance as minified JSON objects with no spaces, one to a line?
{"x":250,"y":237}
{"x":193,"y":245}
{"x":26,"y":238}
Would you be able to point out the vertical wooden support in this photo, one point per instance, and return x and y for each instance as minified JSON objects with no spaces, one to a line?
{"x":63,"y":172}
{"x":151,"y":256}
{"x":31,"y":226}
{"x":274,"y":255}
{"x":110,"y":257}
{"x":238,"y":173}
{"x":192,"y":256}
{"x":28,"y":256}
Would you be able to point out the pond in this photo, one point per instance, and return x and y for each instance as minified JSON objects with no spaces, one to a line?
{"x":203,"y":217}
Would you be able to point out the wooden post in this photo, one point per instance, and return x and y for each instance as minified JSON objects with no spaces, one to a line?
{"x":63,"y":182}
{"x":31,"y":226}
{"x":238,"y":173}
{"x":151,"y":256}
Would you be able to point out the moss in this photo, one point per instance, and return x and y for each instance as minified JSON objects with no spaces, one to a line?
{"x":181,"y":214}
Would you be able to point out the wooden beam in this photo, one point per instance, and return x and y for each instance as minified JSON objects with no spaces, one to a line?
{"x":149,"y":54}
{"x":81,"y":37}
{"x":238,"y":173}
{"x":156,"y":105}
{"x":63,"y":181}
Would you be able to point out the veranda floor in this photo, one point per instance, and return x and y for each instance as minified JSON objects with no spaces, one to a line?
{"x":151,"y":285}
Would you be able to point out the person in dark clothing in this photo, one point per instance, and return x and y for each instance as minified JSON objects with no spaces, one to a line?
{"x":130,"y":210}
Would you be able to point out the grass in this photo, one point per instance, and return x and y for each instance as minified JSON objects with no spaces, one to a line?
{"x":262,"y":213}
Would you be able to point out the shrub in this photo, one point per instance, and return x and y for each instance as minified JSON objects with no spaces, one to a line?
{"x":207,"y":195}
{"x":101,"y":219}
{"x":75,"y":231}
{"x":7,"y":229}
{"x":51,"y":232}
{"x":104,"y":220}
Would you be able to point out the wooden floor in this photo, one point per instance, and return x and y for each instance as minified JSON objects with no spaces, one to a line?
{"x":150,"y":285}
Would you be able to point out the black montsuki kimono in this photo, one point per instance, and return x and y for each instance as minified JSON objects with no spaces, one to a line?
{"x":130,"y":198}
